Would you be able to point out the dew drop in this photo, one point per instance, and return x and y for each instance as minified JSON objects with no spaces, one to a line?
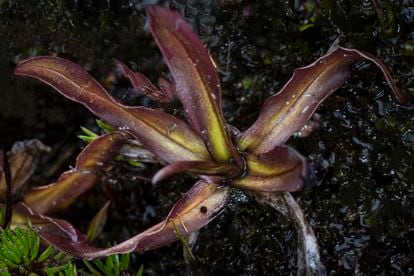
{"x":123,"y":128}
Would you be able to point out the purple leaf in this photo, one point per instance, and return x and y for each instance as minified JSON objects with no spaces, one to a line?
{"x":197,"y":167}
{"x":196,"y":80}
{"x":287,"y":111}
{"x":93,"y":159}
{"x":197,"y":208}
{"x":164,"y":135}
{"x":142,"y":84}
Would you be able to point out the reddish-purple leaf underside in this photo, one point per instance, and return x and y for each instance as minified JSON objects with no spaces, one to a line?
{"x":198,"y":207}
{"x":287,"y":111}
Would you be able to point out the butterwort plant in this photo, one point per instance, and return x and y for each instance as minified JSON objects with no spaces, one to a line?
{"x":255,"y":160}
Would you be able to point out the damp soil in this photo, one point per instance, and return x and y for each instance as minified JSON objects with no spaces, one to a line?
{"x":361,"y":201}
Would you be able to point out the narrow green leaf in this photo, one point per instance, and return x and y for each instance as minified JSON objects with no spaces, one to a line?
{"x":89,"y":133}
{"x":105,"y":126}
{"x":97,"y":224}
{"x":86,"y":139}
{"x":34,"y":244}
{"x":140,"y":272}
{"x":184,"y":242}
{"x":124,"y":262}
{"x":100,"y":264}
{"x":91,"y":268}
{"x":46,"y":254}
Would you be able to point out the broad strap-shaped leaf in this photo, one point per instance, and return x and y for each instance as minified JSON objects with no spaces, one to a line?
{"x":143,"y":84}
{"x":279,"y":170}
{"x":164,"y":135}
{"x":286,"y":112}
{"x":197,"y":167}
{"x":200,"y":205}
{"x":23,"y":159}
{"x":196,"y":80}
{"x":95,"y":158}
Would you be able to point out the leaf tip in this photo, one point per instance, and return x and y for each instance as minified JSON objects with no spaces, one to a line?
{"x":161,"y":15}
{"x":19,"y":70}
{"x":120,"y":66}
{"x":27,"y":66}
{"x":158,"y":177}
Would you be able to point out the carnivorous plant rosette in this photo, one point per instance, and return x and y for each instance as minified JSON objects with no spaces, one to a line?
{"x":255,"y":160}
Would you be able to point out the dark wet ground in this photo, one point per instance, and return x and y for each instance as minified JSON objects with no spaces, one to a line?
{"x":361,"y":206}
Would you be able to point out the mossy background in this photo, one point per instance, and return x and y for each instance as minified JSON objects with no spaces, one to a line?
{"x":361,"y":204}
